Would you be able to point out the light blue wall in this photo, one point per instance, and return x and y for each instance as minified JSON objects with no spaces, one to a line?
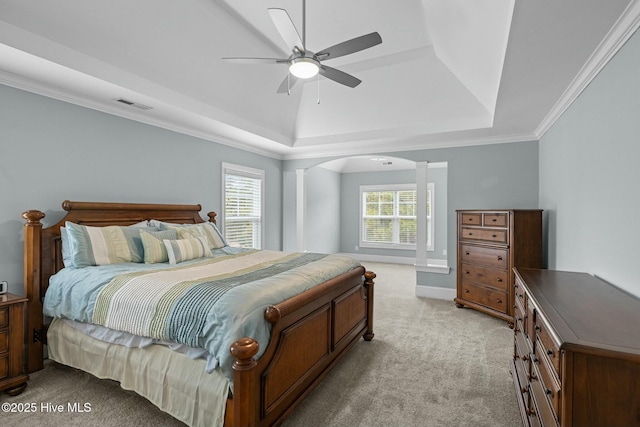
{"x":498,"y":176}
{"x":51,"y":151}
{"x":323,"y":210}
{"x":350,"y":209}
{"x":590,"y":179}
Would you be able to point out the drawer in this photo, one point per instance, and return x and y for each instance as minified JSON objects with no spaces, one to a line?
{"x":484,"y":234}
{"x":486,"y":276}
{"x":529,"y":318}
{"x":520,"y":375}
{"x":472,"y":218}
{"x":521,"y":297}
{"x":4,"y":317}
{"x":495,"y":220}
{"x":543,"y":407}
{"x":548,"y":378}
{"x":547,"y":346}
{"x":486,"y":296}
{"x":523,"y":356}
{"x":490,"y":257}
{"x":4,"y":341}
{"x":520,"y":317}
{"x":4,"y":366}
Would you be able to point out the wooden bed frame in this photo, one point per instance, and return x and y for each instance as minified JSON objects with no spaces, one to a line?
{"x":310,"y":332}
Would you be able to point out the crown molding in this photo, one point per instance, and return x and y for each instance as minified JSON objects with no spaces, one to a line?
{"x":623,"y":29}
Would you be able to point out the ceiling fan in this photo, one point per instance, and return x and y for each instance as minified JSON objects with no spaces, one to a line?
{"x":303,"y":63}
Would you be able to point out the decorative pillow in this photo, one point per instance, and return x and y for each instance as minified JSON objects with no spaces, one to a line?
{"x":186,"y":249}
{"x":207,"y":230}
{"x":154,"y":249}
{"x":67,"y":259}
{"x":103,"y":245}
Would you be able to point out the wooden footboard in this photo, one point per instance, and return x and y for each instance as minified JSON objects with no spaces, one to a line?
{"x":310,"y":332}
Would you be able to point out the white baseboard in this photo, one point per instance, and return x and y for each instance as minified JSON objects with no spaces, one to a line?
{"x":435,"y":265}
{"x":435,"y":292}
{"x":382,"y":258}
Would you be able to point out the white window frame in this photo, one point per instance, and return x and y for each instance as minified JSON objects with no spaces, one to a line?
{"x":376,"y":188}
{"x":397,"y":187}
{"x":431,"y":196}
{"x":245,"y":171}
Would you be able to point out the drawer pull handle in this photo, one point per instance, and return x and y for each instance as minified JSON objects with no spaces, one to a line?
{"x":550,"y":352}
{"x":467,"y":253}
{"x":499,"y":258}
{"x":538,"y":328}
{"x":494,"y":219}
{"x":470,"y":234}
{"x":499,"y":301}
{"x":494,"y":236}
{"x":466,"y":291}
{"x":499,"y":280}
{"x":467,"y":272}
{"x":530,"y":411}
{"x":549,"y":392}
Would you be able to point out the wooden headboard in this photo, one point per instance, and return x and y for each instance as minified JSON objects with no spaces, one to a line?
{"x":43,"y":250}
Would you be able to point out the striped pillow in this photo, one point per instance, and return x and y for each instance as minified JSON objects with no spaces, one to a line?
{"x":205,"y":229}
{"x":154,"y":249}
{"x":103,"y":245}
{"x":186,"y":249}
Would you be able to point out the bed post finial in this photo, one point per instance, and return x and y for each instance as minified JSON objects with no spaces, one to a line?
{"x":245,"y":382}
{"x":368,"y":284}
{"x":212,"y":217}
{"x":32,"y":279}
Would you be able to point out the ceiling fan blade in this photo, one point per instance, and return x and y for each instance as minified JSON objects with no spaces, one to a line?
{"x":286,"y":28}
{"x":350,"y":46}
{"x":339,"y":76}
{"x":256,"y":60}
{"x":287,"y":83}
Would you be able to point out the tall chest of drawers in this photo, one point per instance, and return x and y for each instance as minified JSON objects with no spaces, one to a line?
{"x":576,"y":355}
{"x":490,"y":244}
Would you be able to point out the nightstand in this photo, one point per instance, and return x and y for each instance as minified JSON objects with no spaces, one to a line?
{"x":13,"y":380}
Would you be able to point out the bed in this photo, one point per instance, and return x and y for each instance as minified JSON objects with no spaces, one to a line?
{"x":308,"y":332}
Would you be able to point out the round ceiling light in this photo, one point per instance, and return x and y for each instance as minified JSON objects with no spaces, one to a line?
{"x":304,"y":68}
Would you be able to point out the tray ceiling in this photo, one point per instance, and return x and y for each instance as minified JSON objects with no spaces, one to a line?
{"x":449,"y":72}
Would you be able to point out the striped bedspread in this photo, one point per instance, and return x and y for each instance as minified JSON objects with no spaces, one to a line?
{"x":205,"y":304}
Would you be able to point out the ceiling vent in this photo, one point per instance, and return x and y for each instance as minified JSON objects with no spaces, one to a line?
{"x":133,"y":104}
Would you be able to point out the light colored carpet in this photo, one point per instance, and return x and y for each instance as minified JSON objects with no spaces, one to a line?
{"x":430,"y":364}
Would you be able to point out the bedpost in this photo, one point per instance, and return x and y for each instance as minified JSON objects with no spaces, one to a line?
{"x":245,"y":383}
{"x":212,"y":217}
{"x":32,"y":278}
{"x":368,"y":283}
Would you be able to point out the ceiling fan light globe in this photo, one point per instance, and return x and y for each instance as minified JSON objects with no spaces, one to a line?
{"x":304,"y":68}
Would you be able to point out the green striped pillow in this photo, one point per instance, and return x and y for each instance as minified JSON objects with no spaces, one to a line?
{"x":186,"y":249}
{"x":154,"y":249}
{"x":205,"y":229}
{"x":103,"y":245}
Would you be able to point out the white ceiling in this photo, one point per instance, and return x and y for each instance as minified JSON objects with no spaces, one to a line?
{"x":448,"y":72}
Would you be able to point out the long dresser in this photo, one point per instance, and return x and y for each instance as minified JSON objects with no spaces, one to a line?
{"x":576,"y":355}
{"x":490,"y":244}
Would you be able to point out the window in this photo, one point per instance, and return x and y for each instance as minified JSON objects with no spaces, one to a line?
{"x":242,"y":194}
{"x":388,"y":216}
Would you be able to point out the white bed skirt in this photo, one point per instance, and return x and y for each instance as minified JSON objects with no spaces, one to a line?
{"x":170,"y":380}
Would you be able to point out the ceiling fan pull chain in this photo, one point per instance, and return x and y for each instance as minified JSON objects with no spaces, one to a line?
{"x":288,"y":83}
{"x":318,"y":100}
